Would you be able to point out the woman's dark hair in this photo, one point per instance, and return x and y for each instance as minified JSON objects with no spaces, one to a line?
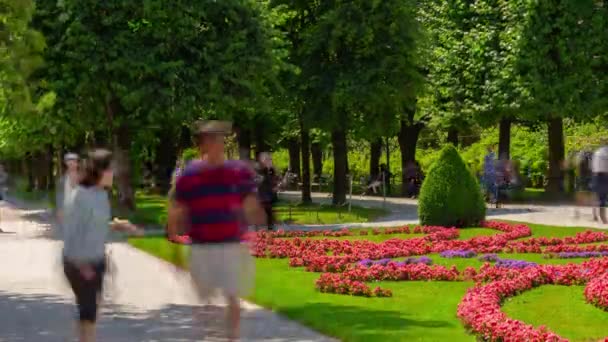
{"x":94,"y":165}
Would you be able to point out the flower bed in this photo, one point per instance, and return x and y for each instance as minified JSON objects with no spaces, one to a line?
{"x":480,"y":308}
{"x":457,"y":254}
{"x":580,"y":255}
{"x":350,"y":267}
{"x":596,"y":291}
{"x":412,"y":260}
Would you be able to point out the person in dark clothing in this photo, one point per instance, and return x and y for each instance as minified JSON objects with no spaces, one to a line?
{"x":267,"y":186}
{"x":413,"y":175}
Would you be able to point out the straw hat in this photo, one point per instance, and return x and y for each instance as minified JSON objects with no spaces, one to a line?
{"x":213,"y":127}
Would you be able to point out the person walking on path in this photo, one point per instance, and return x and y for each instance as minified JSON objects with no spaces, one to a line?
{"x":267,"y":187}
{"x":582,"y":184}
{"x":489,"y":175}
{"x":218,"y":199}
{"x":599,"y":182}
{"x":67,"y":183}
{"x":85,"y":229}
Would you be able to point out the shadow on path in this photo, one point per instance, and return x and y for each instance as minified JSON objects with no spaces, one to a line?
{"x":50,"y":318}
{"x":360,"y":321}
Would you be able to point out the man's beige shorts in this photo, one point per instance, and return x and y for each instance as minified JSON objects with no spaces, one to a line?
{"x":226,"y":267}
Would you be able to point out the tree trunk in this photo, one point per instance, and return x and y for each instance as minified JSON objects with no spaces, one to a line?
{"x":185,"y":139}
{"x":38,"y":170}
{"x":388,"y":166}
{"x":374,"y":159}
{"x":41,"y":162}
{"x":51,"y":166}
{"x":305,"y":142}
{"x":317,"y":159}
{"x":164,"y":161}
{"x":504,"y":139}
{"x":556,"y":155}
{"x":338,"y":139}
{"x":28,"y":168}
{"x":453,"y":136}
{"x":408,"y":139}
{"x":121,"y":144}
{"x":260,"y":139}
{"x":294,"y":156}
{"x":244,"y":142}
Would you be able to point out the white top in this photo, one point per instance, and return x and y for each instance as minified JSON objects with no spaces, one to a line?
{"x":599,"y":163}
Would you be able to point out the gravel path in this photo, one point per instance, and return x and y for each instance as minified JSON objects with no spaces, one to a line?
{"x":405,"y":211}
{"x":146,"y":299}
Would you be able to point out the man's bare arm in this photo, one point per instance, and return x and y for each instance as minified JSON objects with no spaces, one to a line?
{"x":254,"y":214}
{"x":175,"y":218}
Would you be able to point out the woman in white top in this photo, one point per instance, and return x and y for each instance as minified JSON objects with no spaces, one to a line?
{"x":86,"y":226}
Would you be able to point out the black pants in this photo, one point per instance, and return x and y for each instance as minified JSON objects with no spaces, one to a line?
{"x":269,"y":214}
{"x":87,"y":292}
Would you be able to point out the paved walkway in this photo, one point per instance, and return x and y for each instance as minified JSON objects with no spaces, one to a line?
{"x":147,"y":299}
{"x":405,"y":211}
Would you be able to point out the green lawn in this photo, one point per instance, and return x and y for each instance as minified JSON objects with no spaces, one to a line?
{"x":418,"y":311}
{"x":562,"y":309}
{"x":152,"y":209}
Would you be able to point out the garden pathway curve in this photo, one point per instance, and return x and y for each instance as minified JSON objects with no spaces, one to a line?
{"x":405,"y":211}
{"x":148,"y":300}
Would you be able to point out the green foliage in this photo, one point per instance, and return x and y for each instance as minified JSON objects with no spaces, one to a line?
{"x":20,"y":48}
{"x":450,"y":196}
{"x":190,"y":154}
{"x":561,"y":58}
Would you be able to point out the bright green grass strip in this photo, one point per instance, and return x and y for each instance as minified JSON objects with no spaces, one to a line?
{"x":562,"y":309}
{"x":324,"y":214}
{"x":559,"y":232}
{"x":152,"y":209}
{"x":418,"y":311}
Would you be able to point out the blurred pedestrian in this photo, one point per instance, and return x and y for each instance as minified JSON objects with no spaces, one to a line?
{"x":599,"y":182}
{"x":582,"y":184}
{"x":489,"y":175}
{"x":67,"y":183}
{"x":268,"y":186}
{"x":86,"y":226}
{"x":218,"y":199}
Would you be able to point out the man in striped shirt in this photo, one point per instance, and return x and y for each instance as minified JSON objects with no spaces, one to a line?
{"x":217,"y":199}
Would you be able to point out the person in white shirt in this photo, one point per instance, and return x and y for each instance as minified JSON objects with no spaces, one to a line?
{"x":599,"y":168}
{"x":67,"y":183}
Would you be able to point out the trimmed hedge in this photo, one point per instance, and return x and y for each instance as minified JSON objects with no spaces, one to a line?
{"x":450,"y":195}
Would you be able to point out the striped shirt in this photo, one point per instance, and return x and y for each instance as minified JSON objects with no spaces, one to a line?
{"x":213,"y":196}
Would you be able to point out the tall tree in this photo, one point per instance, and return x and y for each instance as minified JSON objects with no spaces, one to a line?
{"x":446,"y":23}
{"x":561,"y":51}
{"x":117,"y":71}
{"x":356,"y":66}
{"x":492,"y":44}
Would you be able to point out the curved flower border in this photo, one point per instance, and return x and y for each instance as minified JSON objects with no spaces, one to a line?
{"x":347,"y":267}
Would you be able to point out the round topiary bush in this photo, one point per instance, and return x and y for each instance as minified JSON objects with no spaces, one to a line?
{"x":450,"y":196}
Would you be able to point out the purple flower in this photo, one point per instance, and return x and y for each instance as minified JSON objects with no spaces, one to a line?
{"x":489,"y":257}
{"x":519,"y":264}
{"x":366,"y":262}
{"x":458,"y":254}
{"x":571,"y":255}
{"x":412,"y":260}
